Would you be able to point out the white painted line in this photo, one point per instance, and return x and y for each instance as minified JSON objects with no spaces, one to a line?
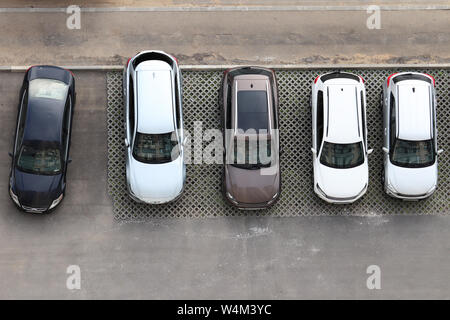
{"x":318,"y":66}
{"x":107,"y":68}
{"x":229,"y":8}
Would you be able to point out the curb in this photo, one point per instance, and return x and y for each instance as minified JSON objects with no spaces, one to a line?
{"x":107,"y":68}
{"x":230,"y":8}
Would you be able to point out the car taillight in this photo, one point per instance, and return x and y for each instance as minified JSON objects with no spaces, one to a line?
{"x":315,"y":81}
{"x":175,"y":58}
{"x":30,"y":68}
{"x":362,"y":79}
{"x":389,"y":78}
{"x":434,"y":81}
{"x":70,"y":72}
{"x":226,"y":71}
{"x":128,"y":61}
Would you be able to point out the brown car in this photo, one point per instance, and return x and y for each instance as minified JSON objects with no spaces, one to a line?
{"x":249,"y":100}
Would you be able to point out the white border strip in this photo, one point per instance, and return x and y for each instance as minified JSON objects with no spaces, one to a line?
{"x":317,"y":66}
{"x":229,"y":8}
{"x":107,"y":68}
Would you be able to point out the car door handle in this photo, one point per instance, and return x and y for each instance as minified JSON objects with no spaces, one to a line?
{"x":385,"y":131}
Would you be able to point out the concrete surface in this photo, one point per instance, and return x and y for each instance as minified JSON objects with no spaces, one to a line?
{"x":268,"y":37}
{"x":236,"y":258}
{"x":204,"y":3}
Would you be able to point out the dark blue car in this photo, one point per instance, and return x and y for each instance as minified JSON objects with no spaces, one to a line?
{"x":42,"y":139}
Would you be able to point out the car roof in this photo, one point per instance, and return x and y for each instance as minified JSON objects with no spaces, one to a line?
{"x":253,"y":102}
{"x":154,"y":97}
{"x":44,"y":121}
{"x":342,"y":114}
{"x":414,"y":110}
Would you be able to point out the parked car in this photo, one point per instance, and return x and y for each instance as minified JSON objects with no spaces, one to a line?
{"x":249,"y":102}
{"x":339,"y":137}
{"x":410,"y":136}
{"x":154,"y":138}
{"x":37,"y":180}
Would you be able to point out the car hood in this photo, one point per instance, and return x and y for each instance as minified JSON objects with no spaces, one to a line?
{"x":342,"y":183}
{"x":156,"y":182}
{"x":412,"y":181}
{"x":36,"y":191}
{"x":252,"y":186}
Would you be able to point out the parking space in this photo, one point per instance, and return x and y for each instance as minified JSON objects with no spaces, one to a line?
{"x":229,"y":257}
{"x":87,"y":174}
{"x":203,"y":192}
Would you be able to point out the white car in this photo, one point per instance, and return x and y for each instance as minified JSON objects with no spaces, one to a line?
{"x":410,"y":136}
{"x":339,"y":137}
{"x":154,"y":139}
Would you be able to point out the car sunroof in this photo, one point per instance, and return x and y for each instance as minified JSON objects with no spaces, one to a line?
{"x":252,"y":110}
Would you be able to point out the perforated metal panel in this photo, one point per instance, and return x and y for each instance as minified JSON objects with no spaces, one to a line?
{"x":203,"y":197}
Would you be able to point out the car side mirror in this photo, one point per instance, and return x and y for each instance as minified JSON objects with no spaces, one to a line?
{"x":440,"y":151}
{"x":185,"y":140}
{"x":314,"y":151}
{"x":370,"y":151}
{"x":127,"y":144}
{"x":385,"y":150}
{"x":10,"y":154}
{"x":69,"y":160}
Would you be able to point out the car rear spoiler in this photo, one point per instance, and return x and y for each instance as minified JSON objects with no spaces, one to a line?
{"x":153,"y":55}
{"x":49,"y":72}
{"x":412,"y":76}
{"x":250,"y":70}
{"x":338,"y":74}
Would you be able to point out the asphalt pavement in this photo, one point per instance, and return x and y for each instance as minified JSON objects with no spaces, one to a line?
{"x":240,"y":258}
{"x":235,"y":258}
{"x":313,"y":34}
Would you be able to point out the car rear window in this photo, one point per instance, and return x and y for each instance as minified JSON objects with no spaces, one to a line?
{"x":48,"y":89}
{"x":252,"y":110}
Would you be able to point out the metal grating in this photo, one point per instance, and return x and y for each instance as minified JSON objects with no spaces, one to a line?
{"x":202,"y":196}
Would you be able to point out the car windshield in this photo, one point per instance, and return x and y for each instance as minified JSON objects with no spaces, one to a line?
{"x":155,"y":148}
{"x":342,"y":155}
{"x":252,"y":155}
{"x":48,"y":89}
{"x":40,"y":158}
{"x":413,"y":154}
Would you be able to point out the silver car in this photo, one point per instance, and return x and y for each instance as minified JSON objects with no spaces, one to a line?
{"x":154,"y":138}
{"x":410,"y":136}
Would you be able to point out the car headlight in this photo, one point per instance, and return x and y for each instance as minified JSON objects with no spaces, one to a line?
{"x":321,"y":191}
{"x":273,"y":198}
{"x":14,"y":196}
{"x":231,"y":198}
{"x":391,"y":188}
{"x":56,"y":202}
{"x":363,"y":190}
{"x":432,"y":189}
